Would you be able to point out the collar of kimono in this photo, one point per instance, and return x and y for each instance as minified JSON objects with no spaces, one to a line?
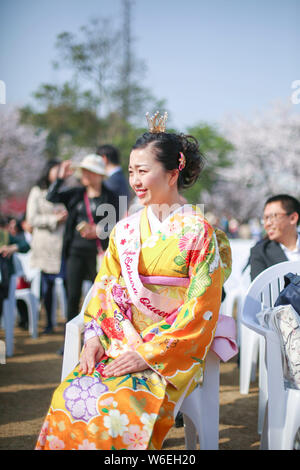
{"x":128,"y":241}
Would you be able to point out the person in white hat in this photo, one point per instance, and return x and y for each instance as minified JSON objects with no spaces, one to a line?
{"x":81,"y":242}
{"x":93,"y":164}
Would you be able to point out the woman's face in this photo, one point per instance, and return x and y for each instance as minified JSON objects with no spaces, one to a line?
{"x":88,"y":178}
{"x":148,"y":178}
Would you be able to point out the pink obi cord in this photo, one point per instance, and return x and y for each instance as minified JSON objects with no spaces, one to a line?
{"x":166,"y":280}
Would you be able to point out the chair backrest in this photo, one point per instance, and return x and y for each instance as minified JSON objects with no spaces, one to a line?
{"x":24,"y":261}
{"x":18,"y":266}
{"x":264,"y":291}
{"x":86,"y":301}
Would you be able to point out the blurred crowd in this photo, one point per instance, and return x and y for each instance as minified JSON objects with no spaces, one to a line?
{"x":63,"y":229}
{"x":66,"y":234}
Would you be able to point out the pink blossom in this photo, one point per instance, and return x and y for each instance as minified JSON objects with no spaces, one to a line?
{"x":135,"y":438}
{"x":56,"y":444}
{"x":44,"y":433}
{"x":86,"y":445}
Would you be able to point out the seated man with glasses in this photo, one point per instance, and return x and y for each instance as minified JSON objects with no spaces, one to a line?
{"x":280,"y":219}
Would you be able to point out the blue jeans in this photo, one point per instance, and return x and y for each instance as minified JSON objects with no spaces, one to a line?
{"x":47,"y":285}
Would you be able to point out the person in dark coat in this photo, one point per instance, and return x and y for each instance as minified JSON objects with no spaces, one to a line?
{"x":92,"y":212}
{"x":9,"y":244}
{"x":281,"y":219}
{"x":116,"y":180}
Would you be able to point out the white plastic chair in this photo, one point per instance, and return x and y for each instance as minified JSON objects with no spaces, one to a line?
{"x":2,"y":352}
{"x":200,"y":408}
{"x":28,"y":297}
{"x":59,"y":300}
{"x":279,"y":406}
{"x":239,"y":281}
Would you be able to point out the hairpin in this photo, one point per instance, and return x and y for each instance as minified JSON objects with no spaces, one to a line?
{"x":157,"y":123}
{"x":182,"y":161}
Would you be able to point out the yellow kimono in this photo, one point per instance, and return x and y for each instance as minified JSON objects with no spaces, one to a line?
{"x":158,"y":293}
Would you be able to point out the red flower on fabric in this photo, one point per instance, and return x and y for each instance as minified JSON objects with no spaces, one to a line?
{"x":196,"y":250}
{"x":123,"y":241}
{"x":148,"y":337}
{"x":112,"y":328}
{"x":187,"y":242}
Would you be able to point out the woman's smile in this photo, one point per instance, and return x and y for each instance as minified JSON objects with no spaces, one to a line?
{"x":140,"y":192}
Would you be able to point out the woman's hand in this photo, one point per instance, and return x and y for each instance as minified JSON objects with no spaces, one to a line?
{"x":61,"y":216}
{"x":92,"y":353}
{"x":8,"y":250}
{"x":127,"y":363}
{"x":89,"y":231}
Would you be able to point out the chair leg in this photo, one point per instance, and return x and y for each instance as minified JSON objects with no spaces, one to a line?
{"x":263,"y":385}
{"x":264,"y":444}
{"x":2,"y":352}
{"x":202,"y":405}
{"x":9,"y":322}
{"x":248,"y":355}
{"x":34,"y":316}
{"x":190,"y":433}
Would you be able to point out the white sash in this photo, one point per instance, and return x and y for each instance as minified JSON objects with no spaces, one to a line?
{"x":128,"y":241}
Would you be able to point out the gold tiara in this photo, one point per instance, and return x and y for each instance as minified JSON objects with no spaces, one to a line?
{"x":157,"y":123}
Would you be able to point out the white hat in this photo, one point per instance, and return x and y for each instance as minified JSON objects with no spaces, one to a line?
{"x":93,"y":163}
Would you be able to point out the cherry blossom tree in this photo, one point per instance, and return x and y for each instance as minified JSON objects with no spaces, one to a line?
{"x":21,"y":153}
{"x":265,"y":162}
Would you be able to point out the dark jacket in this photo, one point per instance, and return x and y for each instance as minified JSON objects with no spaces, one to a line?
{"x":264,"y":254}
{"x":118,"y":184}
{"x":71,"y":197}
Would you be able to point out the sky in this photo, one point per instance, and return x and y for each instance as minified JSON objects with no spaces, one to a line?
{"x":207,"y":58}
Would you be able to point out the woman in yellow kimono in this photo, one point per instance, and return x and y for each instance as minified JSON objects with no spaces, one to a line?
{"x":153,"y":312}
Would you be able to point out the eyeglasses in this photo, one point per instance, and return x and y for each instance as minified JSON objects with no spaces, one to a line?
{"x":274,"y":217}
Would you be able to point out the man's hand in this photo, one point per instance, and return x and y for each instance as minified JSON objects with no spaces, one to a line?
{"x":65,"y":169}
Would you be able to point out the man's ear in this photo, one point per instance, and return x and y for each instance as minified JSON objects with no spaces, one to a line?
{"x":105,"y":159}
{"x":294,"y":218}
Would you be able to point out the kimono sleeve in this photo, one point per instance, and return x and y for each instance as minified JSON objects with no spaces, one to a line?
{"x":108,"y":273}
{"x":177,"y":351}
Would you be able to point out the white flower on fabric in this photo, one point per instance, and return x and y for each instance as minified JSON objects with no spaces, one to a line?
{"x":102,"y":284}
{"x":107,"y":402}
{"x":217,"y":260}
{"x":151,"y":241}
{"x":105,"y":280}
{"x":116,"y":348}
{"x":116,"y":423}
{"x":208,"y":315}
{"x":86,"y":445}
{"x":148,"y":421}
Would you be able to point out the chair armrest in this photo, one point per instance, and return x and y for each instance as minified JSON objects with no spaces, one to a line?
{"x":72,"y":347}
{"x":77,"y":322}
{"x":74,"y":330}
